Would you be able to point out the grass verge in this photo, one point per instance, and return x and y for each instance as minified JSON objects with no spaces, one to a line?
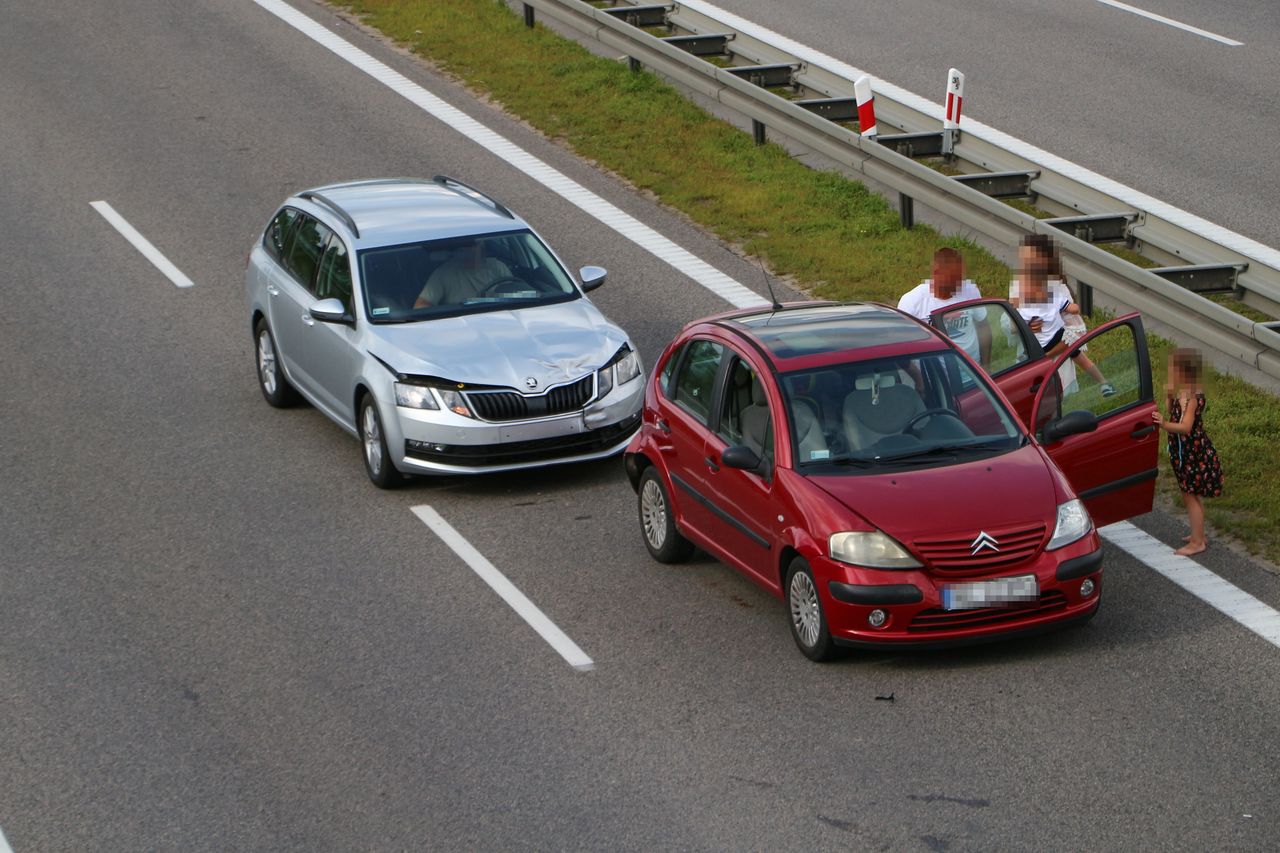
{"x":829,"y":234}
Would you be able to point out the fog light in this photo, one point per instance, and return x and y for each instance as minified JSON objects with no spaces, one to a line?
{"x":877,"y":618}
{"x":1086,"y":587}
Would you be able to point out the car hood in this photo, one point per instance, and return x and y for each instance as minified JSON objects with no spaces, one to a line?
{"x":549,"y":343}
{"x":985,"y":494}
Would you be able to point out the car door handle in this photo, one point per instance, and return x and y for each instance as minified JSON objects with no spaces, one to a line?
{"x":272,"y":290}
{"x":1142,"y":430}
{"x":308,"y":319}
{"x":1035,"y":386}
{"x":711,"y":463}
{"x":662,"y":425}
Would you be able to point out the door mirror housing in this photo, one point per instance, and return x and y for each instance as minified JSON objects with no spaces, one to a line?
{"x":331,"y":311}
{"x":592,"y":277}
{"x":740,"y":456}
{"x":1069,"y":424}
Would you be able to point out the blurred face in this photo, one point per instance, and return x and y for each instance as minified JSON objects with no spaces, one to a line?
{"x":470,"y":255}
{"x":1034,"y":272}
{"x":947,"y":275}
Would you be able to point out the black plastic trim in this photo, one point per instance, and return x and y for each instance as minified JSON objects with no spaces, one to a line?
{"x":1122,"y":483}
{"x":1078,"y":567}
{"x":896,"y":593}
{"x":720,"y":513}
{"x":994,"y":637}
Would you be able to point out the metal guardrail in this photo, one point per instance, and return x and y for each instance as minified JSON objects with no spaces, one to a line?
{"x":1194,"y":258}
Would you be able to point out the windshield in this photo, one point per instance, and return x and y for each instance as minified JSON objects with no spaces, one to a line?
{"x":911,"y":411}
{"x":461,"y":275}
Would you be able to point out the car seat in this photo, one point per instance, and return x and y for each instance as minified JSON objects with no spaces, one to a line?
{"x":878,"y":406}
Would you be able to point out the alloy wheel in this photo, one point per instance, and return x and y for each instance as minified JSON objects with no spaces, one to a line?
{"x":805,"y":615}
{"x":653,"y":514}
{"x":372,"y":440}
{"x":266,"y":362}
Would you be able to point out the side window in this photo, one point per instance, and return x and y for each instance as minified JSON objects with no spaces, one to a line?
{"x":991,"y":334}
{"x":1104,"y":377}
{"x":697,"y":377}
{"x":277,"y":231}
{"x":334,"y":279}
{"x":744,"y":413}
{"x":303,"y":251}
{"x":668,"y":368}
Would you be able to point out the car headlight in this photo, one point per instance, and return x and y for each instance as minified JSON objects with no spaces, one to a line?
{"x":415,"y":396}
{"x":604,"y":381}
{"x":455,"y":402}
{"x":1073,"y":522}
{"x":626,"y":368}
{"x":874,"y":549}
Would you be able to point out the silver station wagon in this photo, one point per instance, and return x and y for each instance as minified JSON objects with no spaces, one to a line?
{"x":434,"y":324}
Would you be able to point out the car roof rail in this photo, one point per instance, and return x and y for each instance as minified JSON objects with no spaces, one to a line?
{"x":313,"y":196}
{"x":468,"y":191}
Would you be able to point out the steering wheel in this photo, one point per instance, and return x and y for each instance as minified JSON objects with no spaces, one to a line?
{"x":929,"y":413}
{"x":510,"y":283}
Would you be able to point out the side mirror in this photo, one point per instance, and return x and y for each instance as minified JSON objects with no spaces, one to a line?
{"x":739,"y":456}
{"x":331,"y":311}
{"x":592,"y":277}
{"x":1069,"y":424}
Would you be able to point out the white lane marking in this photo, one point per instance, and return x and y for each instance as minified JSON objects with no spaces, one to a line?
{"x":506,"y":590}
{"x":1171,"y":22}
{"x":637,"y":232}
{"x":142,"y":244}
{"x":1257,"y":616}
{"x":1195,"y":224}
{"x":4,"y":845}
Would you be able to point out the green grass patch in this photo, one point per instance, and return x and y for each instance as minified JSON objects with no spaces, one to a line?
{"x":830,"y":234}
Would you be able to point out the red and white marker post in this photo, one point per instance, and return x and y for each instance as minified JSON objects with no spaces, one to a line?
{"x":866,"y":106}
{"x":951,"y":121}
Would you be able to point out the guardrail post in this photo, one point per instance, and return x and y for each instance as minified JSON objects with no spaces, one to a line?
{"x":528,"y":15}
{"x":951,"y":123}
{"x":633,"y":64}
{"x":1084,"y":298}
{"x":757,"y":131}
{"x":907,"y":210}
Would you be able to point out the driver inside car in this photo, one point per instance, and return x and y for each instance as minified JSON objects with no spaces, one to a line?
{"x":465,"y":275}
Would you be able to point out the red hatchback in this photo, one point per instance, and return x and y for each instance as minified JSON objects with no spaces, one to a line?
{"x":894,"y":490}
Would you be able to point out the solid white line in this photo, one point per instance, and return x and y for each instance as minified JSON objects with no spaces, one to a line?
{"x":639,"y":233}
{"x":506,"y":590}
{"x":1171,"y":22}
{"x":1195,"y":224}
{"x":142,"y":244}
{"x":1257,"y":616}
{"x":4,"y":845}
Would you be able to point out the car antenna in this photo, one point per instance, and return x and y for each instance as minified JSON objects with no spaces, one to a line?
{"x":777,"y":306}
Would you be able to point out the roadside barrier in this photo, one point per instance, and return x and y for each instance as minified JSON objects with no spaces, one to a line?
{"x":1196,"y":258}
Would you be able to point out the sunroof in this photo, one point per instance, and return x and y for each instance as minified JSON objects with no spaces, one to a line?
{"x":831,"y":328}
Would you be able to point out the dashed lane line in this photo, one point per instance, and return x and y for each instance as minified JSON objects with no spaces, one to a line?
{"x":143,"y":245}
{"x":1258,"y":617}
{"x":637,"y":232}
{"x":506,"y":590}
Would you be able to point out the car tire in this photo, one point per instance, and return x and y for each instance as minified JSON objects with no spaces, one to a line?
{"x":275,"y":388}
{"x":373,"y":446}
{"x":805,"y":614}
{"x":658,"y":523}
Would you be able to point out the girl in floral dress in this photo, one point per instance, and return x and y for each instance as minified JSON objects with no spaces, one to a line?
{"x":1195,"y":462}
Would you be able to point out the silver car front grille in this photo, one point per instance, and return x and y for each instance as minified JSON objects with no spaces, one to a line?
{"x":512,"y":406}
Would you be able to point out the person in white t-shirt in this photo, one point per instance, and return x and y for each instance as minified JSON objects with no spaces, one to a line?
{"x":948,"y":286}
{"x":1045,"y":303}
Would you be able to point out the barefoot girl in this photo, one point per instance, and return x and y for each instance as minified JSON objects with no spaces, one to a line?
{"x":1195,"y":462}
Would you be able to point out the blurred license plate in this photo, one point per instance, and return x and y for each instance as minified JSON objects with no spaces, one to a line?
{"x":966,"y":596}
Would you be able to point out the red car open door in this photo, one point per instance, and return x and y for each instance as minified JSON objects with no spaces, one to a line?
{"x":1008,"y":351}
{"x":1098,"y":428}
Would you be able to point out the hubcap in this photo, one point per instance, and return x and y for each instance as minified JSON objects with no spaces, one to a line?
{"x":804,"y":609}
{"x":653,"y":514}
{"x":267,"y":362}
{"x":372,"y":440}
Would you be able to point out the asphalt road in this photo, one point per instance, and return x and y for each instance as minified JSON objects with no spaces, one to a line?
{"x":216,"y":635}
{"x":1181,"y":117}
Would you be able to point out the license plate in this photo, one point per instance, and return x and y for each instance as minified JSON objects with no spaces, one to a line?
{"x":967,"y":596}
